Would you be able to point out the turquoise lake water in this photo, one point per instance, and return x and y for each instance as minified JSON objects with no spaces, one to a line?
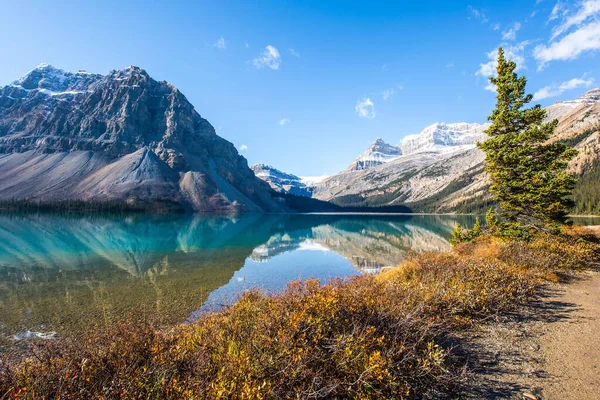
{"x":61,"y":274}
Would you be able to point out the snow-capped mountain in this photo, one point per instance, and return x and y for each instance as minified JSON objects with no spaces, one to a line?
{"x":562,"y":108}
{"x":444,"y":137}
{"x":378,"y":153}
{"x":442,"y":170}
{"x":50,"y":81}
{"x":281,"y":181}
{"x":120,"y":136}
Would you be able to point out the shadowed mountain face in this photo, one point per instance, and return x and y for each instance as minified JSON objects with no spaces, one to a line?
{"x":68,"y":273}
{"x":121,"y":136}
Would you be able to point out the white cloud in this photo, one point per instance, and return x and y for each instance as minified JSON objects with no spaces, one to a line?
{"x":365,"y":108}
{"x":220,"y":44}
{"x":284,"y":121}
{"x":556,"y":90}
{"x":558,"y":7}
{"x":496,"y":27}
{"x":388,"y":94}
{"x":269,"y":58}
{"x":511,"y":34}
{"x":587,"y":9}
{"x":294,"y":52}
{"x":571,"y":46}
{"x":490,"y":87}
{"x":247,"y":45}
{"x":243,"y":147}
{"x":478,"y":14}
{"x":513,"y":52}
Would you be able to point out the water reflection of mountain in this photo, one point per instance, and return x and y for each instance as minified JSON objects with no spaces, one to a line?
{"x":369,"y":242}
{"x":80,"y":271}
{"x":345,"y":246}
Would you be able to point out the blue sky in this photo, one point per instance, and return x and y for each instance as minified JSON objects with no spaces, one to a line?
{"x":306,"y":86}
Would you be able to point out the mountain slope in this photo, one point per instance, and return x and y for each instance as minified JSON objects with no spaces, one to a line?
{"x":426,"y":165}
{"x":122,"y":136}
{"x":441,"y":170}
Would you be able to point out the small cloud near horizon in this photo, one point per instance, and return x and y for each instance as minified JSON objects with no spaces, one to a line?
{"x":243,"y":148}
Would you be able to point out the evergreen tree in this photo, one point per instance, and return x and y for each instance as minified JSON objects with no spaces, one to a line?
{"x":457,"y":235}
{"x":476,"y":231}
{"x":491,"y":220}
{"x":529,"y":178}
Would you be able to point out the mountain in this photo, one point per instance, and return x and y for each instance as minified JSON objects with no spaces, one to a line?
{"x":424,"y":165}
{"x":120,"y":136}
{"x":442,"y":170}
{"x":282,"y":182}
{"x":443,"y":137}
{"x":377,"y":154}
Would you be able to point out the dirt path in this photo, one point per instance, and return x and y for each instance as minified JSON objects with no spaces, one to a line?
{"x":571,"y":347}
{"x":552,"y":352}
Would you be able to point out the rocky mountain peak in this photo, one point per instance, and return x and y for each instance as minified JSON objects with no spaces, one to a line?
{"x":444,"y":137}
{"x":52,"y":81}
{"x":280,"y":181}
{"x":378,"y":153}
{"x":590,"y":97}
{"x":125,"y":122}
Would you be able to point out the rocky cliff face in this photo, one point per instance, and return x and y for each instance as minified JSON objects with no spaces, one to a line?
{"x":281,"y":181}
{"x":121,"y":136}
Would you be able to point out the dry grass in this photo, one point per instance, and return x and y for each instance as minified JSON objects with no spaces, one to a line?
{"x":366,"y":337}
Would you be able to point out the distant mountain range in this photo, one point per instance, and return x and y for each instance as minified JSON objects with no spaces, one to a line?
{"x":282,"y":182}
{"x":127,"y":137}
{"x":441,"y":170}
{"x":120,"y":136}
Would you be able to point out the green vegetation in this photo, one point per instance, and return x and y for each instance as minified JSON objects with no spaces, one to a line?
{"x":529,"y":178}
{"x":587,"y":190}
{"x":367,"y":337}
{"x":86,"y":206}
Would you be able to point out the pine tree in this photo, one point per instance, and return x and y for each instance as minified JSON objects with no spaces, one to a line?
{"x":529,"y":178}
{"x":457,"y":235}
{"x":491,"y":220}
{"x":476,"y":231}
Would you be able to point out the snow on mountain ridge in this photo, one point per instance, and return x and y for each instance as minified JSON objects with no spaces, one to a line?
{"x":55,"y":81}
{"x":441,"y":136}
{"x":281,"y":181}
{"x":379,"y":152}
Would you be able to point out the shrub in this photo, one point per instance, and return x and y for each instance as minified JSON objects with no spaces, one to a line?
{"x":364,"y":337}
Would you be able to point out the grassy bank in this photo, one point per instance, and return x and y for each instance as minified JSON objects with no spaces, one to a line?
{"x":367,"y":337}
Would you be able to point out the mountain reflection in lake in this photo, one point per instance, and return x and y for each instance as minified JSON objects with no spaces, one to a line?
{"x":68,"y":274}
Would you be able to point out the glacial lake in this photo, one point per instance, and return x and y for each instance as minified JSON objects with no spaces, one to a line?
{"x":67,"y":274}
